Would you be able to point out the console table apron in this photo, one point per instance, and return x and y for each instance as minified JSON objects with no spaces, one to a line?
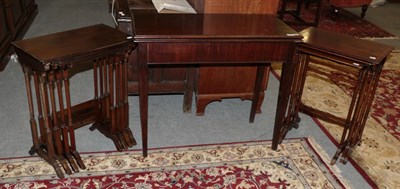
{"x":212,"y":39}
{"x":51,"y":60}
{"x":344,"y":53}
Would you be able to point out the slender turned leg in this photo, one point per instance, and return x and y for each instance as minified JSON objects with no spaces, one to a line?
{"x":128,"y":135}
{"x":63,"y":124}
{"x":113,"y":103}
{"x":363,"y":106}
{"x":299,"y":78}
{"x":103,"y":90}
{"x":143,"y":92}
{"x":355,"y":121}
{"x":256,"y":92}
{"x":96,"y":95}
{"x":349,"y":124}
{"x":40,"y":110}
{"x":371,"y":94}
{"x":49,"y":154}
{"x":56,"y":127}
{"x":107,"y":67}
{"x":120,"y":107}
{"x":117,"y":109}
{"x":34,"y":130}
{"x":70,"y":127}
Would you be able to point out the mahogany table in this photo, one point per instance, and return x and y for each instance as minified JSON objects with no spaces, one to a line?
{"x":209,"y":82}
{"x":212,"y":39}
{"x":345,"y":54}
{"x":52,"y":60}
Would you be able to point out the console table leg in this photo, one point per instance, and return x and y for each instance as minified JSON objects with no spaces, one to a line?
{"x":256,"y":93}
{"x":143,"y":92}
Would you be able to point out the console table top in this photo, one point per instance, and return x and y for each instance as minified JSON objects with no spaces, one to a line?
{"x":148,"y":25}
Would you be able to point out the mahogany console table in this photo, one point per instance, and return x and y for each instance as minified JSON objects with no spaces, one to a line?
{"x":211,"y":39}
{"x":209,"y":82}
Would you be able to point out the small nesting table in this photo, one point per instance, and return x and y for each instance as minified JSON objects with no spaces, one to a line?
{"x":367,"y":57}
{"x":51,"y":60}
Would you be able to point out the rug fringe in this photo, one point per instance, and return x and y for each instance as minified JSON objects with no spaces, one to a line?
{"x":326,"y":159}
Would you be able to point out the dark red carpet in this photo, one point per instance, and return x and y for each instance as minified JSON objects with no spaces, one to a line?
{"x":345,"y":22}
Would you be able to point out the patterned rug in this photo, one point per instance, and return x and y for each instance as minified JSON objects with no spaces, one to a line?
{"x":345,"y":22}
{"x":378,"y":155}
{"x":296,"y":164}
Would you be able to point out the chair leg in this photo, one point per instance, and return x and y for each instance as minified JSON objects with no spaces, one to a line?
{"x":364,"y":9}
{"x":283,"y":9}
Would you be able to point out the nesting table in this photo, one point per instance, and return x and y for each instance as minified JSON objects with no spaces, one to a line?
{"x":51,"y":60}
{"x":343,"y":53}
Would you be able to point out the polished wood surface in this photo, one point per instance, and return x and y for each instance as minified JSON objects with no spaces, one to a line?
{"x":167,"y":79}
{"x":15,"y":18}
{"x":51,"y":60}
{"x":367,"y":51}
{"x":150,"y":25}
{"x":241,"y":6}
{"x":347,"y":54}
{"x":212,"y":39}
{"x":219,"y":6}
{"x":54,"y":47}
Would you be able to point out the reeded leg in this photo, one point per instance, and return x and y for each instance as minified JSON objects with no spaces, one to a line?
{"x":56,"y":127}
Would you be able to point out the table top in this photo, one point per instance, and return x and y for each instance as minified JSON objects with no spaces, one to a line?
{"x":149,"y":25}
{"x":63,"y":45}
{"x":344,"y":45}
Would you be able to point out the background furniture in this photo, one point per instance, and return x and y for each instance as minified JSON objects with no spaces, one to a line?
{"x":364,"y":4}
{"x":51,"y":60}
{"x":213,"y":83}
{"x":345,"y":54}
{"x":297,"y":11}
{"x":15,"y":18}
{"x":172,"y":79}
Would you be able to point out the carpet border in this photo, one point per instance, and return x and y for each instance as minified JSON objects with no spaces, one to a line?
{"x":312,"y":148}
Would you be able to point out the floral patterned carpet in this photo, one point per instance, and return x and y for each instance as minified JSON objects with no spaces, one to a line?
{"x":379,"y":152}
{"x":296,"y":164}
